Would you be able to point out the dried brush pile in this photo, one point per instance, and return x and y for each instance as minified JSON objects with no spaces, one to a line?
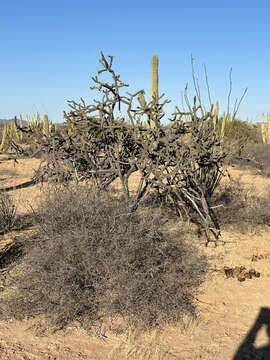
{"x":91,"y":259}
{"x":182,"y":162}
{"x":94,"y":255}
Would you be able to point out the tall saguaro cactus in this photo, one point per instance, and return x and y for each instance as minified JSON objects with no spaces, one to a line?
{"x":154,"y":87}
{"x":154,"y":83}
{"x":265,"y":129}
{"x":154,"y":77}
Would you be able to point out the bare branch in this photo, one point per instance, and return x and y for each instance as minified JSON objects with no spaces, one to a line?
{"x":207,"y":84}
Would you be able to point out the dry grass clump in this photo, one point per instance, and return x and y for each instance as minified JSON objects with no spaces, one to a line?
{"x":92,"y":259}
{"x":241,"y":208}
{"x":8,"y":212}
{"x":135,"y":344}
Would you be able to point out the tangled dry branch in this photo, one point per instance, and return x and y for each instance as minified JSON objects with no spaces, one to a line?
{"x":182,"y":161}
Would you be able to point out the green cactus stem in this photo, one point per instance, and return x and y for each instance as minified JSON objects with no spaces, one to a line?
{"x":215,"y":118}
{"x":154,"y":85}
{"x":142,"y":99}
{"x":154,"y":90}
{"x":47,"y":126}
{"x":7,"y":136}
{"x":4,"y":137}
{"x":220,"y":123}
{"x":265,"y":129}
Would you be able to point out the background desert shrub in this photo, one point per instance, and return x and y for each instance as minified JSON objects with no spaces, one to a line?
{"x":241,"y":130}
{"x":259,"y":155}
{"x":32,"y":150}
{"x":8,"y":212}
{"x":241,"y":209}
{"x":91,"y":259}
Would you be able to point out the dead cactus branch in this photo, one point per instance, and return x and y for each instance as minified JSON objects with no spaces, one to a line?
{"x":183,"y":161}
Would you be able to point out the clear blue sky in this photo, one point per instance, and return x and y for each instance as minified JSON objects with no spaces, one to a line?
{"x":50,"y":51}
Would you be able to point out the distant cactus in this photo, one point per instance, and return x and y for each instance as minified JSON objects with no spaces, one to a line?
{"x":220,"y":123}
{"x":215,"y":118}
{"x":4,"y":137}
{"x":7,"y":135}
{"x":154,"y":87}
{"x":47,"y":125}
{"x":265,"y":129}
{"x":44,"y":127}
{"x":17,"y":132}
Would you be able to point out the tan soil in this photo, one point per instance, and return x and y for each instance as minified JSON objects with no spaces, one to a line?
{"x":228,"y":308}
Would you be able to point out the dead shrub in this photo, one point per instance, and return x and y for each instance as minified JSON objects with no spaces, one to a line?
{"x":92,"y":258}
{"x":183,"y":160}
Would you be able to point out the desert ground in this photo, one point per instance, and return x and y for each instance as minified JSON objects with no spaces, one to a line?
{"x":228,"y":308}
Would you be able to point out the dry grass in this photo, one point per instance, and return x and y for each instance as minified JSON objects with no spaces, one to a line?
{"x":8,"y":212}
{"x":91,"y":258}
{"x":135,"y":344}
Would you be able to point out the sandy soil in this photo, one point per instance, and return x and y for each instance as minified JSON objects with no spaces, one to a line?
{"x":228,"y":308}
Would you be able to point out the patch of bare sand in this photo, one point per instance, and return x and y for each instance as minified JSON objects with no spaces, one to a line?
{"x":249,"y":178}
{"x":227,"y":308}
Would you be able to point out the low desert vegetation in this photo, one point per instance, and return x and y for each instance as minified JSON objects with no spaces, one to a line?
{"x":93,"y":259}
{"x":134,"y":345}
{"x":255,"y":157}
{"x":98,"y":254}
{"x":243,"y":132}
{"x":8,"y":212}
{"x":241,"y":209}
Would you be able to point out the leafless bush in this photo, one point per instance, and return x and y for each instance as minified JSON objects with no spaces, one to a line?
{"x":101,"y":261}
{"x":183,"y":161}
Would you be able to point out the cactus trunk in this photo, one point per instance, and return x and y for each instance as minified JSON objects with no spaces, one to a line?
{"x":154,"y":85}
{"x":154,"y":90}
{"x":265,"y":129}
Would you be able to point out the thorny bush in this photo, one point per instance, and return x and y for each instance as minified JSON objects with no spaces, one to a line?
{"x":183,"y":161}
{"x":97,"y":261}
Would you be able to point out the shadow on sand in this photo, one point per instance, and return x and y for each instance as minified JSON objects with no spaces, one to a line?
{"x":247,"y":350}
{"x":20,"y":186}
